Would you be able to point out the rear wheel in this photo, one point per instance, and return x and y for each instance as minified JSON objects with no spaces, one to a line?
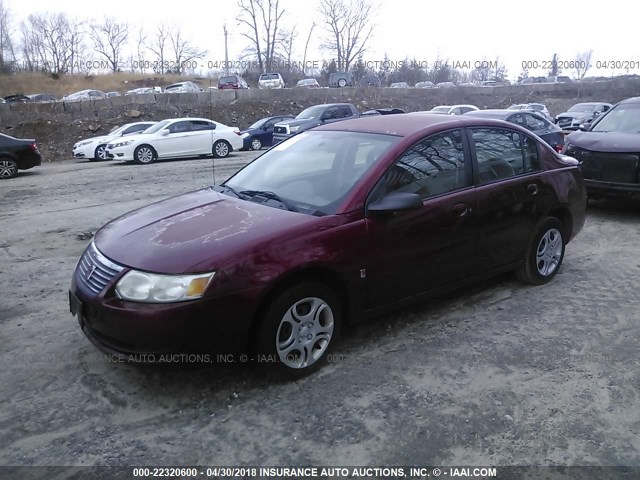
{"x":298,"y":329}
{"x":256,"y":144}
{"x":8,"y":168}
{"x":342,"y":82}
{"x":544,"y":253}
{"x":144,"y":154}
{"x":221,"y":149}
{"x":100,"y":153}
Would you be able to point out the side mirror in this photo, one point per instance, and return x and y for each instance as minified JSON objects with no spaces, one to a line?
{"x":396,"y":202}
{"x":165,"y":132}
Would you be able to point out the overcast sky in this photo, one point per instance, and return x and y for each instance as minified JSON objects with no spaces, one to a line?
{"x":463,"y":31}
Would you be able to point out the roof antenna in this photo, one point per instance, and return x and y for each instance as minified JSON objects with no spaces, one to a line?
{"x":213,"y":155}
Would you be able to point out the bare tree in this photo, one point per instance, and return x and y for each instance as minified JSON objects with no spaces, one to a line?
{"x":53,"y":43}
{"x":286,"y":42}
{"x":109,"y":37}
{"x":7,"y":54}
{"x":261,"y":19}
{"x":582,"y":63}
{"x":350,"y":27}
{"x":306,"y":46}
{"x":159,"y":45}
{"x":183,"y":51}
{"x":141,"y":42}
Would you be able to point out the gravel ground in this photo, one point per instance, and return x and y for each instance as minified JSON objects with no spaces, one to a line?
{"x":498,"y":374}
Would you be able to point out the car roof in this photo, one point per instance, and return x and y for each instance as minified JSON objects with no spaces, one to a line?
{"x":404,"y":125}
{"x":631,"y":100}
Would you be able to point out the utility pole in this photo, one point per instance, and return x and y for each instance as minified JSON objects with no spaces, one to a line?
{"x":226,"y":52}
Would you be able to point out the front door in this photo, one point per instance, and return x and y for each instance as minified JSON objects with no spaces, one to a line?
{"x":420,"y":250}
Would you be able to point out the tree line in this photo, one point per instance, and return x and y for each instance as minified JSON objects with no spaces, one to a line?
{"x":57,"y":44}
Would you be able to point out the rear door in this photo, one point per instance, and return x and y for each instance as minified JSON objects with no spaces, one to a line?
{"x":202,"y":137}
{"x":510,"y":194}
{"x":420,"y":250}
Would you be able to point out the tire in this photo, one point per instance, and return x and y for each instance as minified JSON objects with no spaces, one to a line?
{"x":342,"y":83}
{"x":295,"y":346}
{"x":544,"y":254}
{"x":144,"y":154}
{"x":221,"y":149}
{"x":256,"y":144}
{"x":8,"y":168}
{"x":100,"y":153}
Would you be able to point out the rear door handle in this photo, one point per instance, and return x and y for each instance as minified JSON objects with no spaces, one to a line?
{"x":532,"y":189}
{"x":461,"y":209}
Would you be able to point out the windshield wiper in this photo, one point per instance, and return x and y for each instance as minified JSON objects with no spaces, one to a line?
{"x":268,"y":195}
{"x":227,"y":189}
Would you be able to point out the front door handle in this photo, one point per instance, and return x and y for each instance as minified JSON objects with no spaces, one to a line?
{"x":532,"y":189}
{"x":461,"y":209}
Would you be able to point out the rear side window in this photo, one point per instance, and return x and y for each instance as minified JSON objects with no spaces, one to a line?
{"x":503,"y":153}
{"x":345,"y":111}
{"x":201,"y":125}
{"x":534,"y":124}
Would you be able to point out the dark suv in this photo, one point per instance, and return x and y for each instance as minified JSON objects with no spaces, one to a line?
{"x":312,"y":117}
{"x":341,"y":79}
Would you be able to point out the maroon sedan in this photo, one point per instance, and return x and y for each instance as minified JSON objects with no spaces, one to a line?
{"x":334,"y":225}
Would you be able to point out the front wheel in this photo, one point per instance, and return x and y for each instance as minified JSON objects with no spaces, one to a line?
{"x":144,"y":155}
{"x":8,"y":168}
{"x":544,"y":253}
{"x":221,"y":149}
{"x":100,"y":153}
{"x":298,"y":329}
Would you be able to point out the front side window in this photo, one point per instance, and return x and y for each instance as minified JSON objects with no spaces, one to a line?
{"x":180,"y":127}
{"x":431,"y":167}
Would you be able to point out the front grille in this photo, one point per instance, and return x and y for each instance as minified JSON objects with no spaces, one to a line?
{"x":608,"y":167}
{"x":282,"y":130}
{"x":95,"y":271}
{"x":565,"y":122}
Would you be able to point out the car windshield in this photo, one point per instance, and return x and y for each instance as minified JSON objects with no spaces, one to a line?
{"x":623,"y":118}
{"x":269,"y":76}
{"x":158,"y":126}
{"x":228,"y":80}
{"x":311,"y":112}
{"x":118,"y":130}
{"x":313,"y":171}
{"x":441,"y":109}
{"x":582,"y":107}
{"x":535,"y":106}
{"x":259,"y":123}
{"x":516,"y":107}
{"x":306,"y":82}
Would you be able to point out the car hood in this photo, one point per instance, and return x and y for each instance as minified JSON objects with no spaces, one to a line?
{"x":576,"y":114}
{"x":194,"y":232}
{"x":298,"y":121}
{"x":615,"y":142}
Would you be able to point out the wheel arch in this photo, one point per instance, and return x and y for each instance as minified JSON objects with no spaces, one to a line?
{"x":325,"y":275}
{"x":564,"y":215}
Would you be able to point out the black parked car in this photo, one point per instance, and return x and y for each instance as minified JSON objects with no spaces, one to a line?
{"x":609,"y":151}
{"x":534,"y":122}
{"x":260,"y":134}
{"x":17,"y":98}
{"x":17,"y":154}
{"x":581,"y":113}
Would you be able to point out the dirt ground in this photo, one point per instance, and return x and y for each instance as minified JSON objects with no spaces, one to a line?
{"x":498,"y":374}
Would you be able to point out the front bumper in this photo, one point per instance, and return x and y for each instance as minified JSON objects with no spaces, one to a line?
{"x":280,"y":137}
{"x":124,"y":328}
{"x":597,"y":188}
{"x":120,"y":153}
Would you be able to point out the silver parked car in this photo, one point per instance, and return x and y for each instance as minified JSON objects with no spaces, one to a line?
{"x":182,"y":87}
{"x":85,"y":95}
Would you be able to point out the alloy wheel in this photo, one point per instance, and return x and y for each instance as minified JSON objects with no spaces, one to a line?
{"x":549,"y":252}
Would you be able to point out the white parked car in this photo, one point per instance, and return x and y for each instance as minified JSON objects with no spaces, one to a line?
{"x":144,"y":90}
{"x":451,"y":109}
{"x":182,"y":87}
{"x":177,"y":138}
{"x":84,"y":95}
{"x":270,"y":80}
{"x":94,"y":148}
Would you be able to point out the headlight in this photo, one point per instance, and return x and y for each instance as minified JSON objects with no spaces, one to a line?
{"x":122,"y":144}
{"x":81,"y":144}
{"x":154,"y":288}
{"x":294,"y":129}
{"x":244,"y":135}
